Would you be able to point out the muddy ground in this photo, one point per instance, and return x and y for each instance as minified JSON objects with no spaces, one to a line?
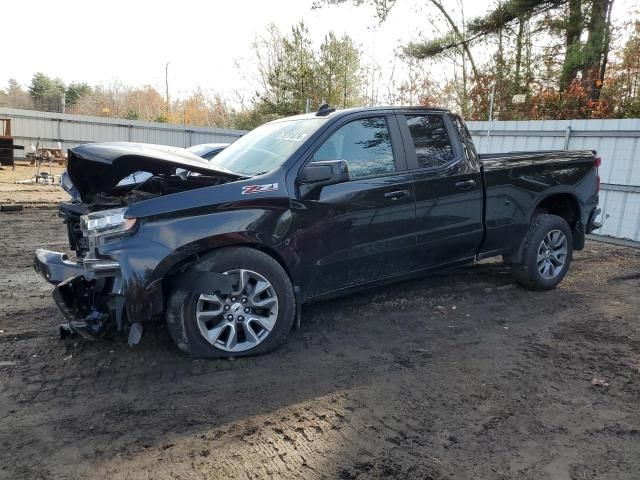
{"x":26,"y":192}
{"x":461,"y":376}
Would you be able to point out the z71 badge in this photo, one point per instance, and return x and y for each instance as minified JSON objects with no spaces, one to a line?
{"x":269,"y":187}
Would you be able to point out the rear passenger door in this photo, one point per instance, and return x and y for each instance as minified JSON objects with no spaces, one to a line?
{"x":448,"y":187}
{"x":363,"y":230}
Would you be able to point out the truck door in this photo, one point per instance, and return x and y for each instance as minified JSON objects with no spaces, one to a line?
{"x":362,"y":230}
{"x":448,"y":183}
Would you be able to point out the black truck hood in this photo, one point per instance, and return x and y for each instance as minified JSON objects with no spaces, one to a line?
{"x":98,"y":167}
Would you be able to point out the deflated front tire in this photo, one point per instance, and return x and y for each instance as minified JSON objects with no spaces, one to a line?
{"x":253,"y":318}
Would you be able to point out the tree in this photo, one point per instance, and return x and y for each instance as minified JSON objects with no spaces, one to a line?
{"x":339,"y":76}
{"x":47,"y":93}
{"x":199,"y":108}
{"x":145,"y":103}
{"x":573,"y":31}
{"x":269,"y":51}
{"x":248,"y":119}
{"x":622,"y":88}
{"x":299,"y":67}
{"x":291,"y":71}
{"x":416,"y":88}
{"x":382,"y":7}
{"x":569,"y":18}
{"x":16,"y":97}
{"x":455,"y":40}
{"x":595,"y":52}
{"x":75,"y":91}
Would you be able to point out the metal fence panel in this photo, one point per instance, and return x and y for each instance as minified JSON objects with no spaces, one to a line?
{"x":622,"y":214}
{"x":616,"y":141}
{"x":29,"y":127}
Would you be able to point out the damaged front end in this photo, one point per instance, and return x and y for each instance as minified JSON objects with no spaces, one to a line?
{"x":84,"y":304}
{"x":89,"y":291}
{"x":88,"y":295}
{"x":110,"y":287}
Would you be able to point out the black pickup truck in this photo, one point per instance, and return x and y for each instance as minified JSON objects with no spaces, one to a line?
{"x":301,"y":209}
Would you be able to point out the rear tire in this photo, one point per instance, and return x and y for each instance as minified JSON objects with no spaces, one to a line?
{"x":199,"y":331}
{"x":546,"y":255}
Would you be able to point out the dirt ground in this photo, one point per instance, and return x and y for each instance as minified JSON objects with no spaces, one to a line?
{"x":29,"y":195}
{"x":461,"y":376}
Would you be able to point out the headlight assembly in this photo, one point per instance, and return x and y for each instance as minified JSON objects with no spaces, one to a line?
{"x":106,"y":222}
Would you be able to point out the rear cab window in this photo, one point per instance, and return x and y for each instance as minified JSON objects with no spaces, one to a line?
{"x":469,"y":148}
{"x":431,"y":140}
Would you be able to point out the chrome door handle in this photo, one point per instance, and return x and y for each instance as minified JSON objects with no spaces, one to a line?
{"x":466,"y":184}
{"x":396,"y":195}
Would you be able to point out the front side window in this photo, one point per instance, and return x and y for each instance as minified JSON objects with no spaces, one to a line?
{"x":431,"y":140}
{"x":365,"y":144}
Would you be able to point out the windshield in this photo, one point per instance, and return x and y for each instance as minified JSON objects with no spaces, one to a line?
{"x":199,"y":149}
{"x":206,"y":150}
{"x":267,"y":147}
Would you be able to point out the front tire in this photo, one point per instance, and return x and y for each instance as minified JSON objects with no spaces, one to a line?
{"x":546,"y":254}
{"x":253,"y":319}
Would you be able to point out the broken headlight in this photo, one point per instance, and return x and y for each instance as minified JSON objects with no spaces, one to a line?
{"x":68,"y":186}
{"x":106,"y":222}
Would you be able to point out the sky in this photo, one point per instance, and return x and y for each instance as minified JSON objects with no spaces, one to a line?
{"x":208,"y":44}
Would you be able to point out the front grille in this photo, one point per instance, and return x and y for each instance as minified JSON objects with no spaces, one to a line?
{"x":71,"y":213}
{"x":76,"y":241}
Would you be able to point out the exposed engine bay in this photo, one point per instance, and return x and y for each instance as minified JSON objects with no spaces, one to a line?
{"x":154,"y":186}
{"x":110,"y":176}
{"x":129,"y":193}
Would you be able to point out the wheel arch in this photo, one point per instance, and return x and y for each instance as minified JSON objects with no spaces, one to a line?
{"x":194,"y":256}
{"x":564,"y":204}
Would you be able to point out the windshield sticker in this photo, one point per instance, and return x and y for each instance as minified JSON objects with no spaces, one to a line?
{"x":292,"y":137}
{"x":269,"y":187}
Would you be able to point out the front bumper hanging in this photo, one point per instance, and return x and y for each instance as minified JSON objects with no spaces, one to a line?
{"x":55,"y":267}
{"x":88,"y":293}
{"x":97,"y":297}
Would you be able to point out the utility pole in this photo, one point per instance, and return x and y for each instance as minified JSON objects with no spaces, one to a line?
{"x":166,"y":84}
{"x":491,"y":98}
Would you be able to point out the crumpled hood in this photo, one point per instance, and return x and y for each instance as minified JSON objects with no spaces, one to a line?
{"x":98,"y":167}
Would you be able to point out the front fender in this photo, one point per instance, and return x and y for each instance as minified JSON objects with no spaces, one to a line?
{"x":161,"y":245}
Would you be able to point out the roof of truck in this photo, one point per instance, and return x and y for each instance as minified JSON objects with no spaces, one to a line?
{"x":335,"y":113}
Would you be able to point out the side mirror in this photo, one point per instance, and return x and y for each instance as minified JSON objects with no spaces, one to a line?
{"x":326,"y":172}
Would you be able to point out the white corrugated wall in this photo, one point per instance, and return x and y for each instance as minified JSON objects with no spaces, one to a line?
{"x":616,"y":141}
{"x":29,"y":127}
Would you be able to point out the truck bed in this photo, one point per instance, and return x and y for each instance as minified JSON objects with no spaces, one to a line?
{"x":517,"y":181}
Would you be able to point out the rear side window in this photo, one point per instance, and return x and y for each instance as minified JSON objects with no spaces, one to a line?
{"x":465,"y":136}
{"x":365,"y":144}
{"x":431,"y":140}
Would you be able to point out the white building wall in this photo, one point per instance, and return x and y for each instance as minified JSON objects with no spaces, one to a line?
{"x":29,"y":127}
{"x":616,"y":141}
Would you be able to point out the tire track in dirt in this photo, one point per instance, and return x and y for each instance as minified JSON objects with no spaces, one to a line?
{"x":460,"y":376}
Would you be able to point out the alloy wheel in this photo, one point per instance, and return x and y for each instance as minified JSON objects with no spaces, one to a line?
{"x":242,"y":319}
{"x":552,"y":254}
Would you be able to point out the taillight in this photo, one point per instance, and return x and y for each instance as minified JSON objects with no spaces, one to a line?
{"x":598,"y":162}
